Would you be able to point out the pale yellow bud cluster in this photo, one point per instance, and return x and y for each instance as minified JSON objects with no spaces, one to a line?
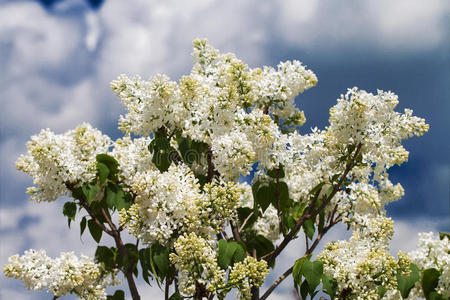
{"x":247,"y":274}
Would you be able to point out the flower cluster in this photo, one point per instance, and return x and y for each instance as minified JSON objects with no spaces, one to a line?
{"x":54,"y":160}
{"x":196,"y":261}
{"x":165,"y":203}
{"x":363,"y":263}
{"x":133,"y":158}
{"x":63,"y":275}
{"x":222,"y":102}
{"x":432,"y":253}
{"x":247,"y":274}
{"x":171,"y":203}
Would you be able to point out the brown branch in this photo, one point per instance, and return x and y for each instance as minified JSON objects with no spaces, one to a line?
{"x":245,"y":221}
{"x":235,"y":231}
{"x":94,"y":217}
{"x":166,"y":290}
{"x":129,"y":272}
{"x":276,"y":283}
{"x":119,"y":243}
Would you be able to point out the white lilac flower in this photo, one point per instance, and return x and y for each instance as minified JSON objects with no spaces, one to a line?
{"x":54,"y":160}
{"x":63,"y":275}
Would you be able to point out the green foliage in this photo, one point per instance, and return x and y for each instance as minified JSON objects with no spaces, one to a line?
{"x":95,"y":230}
{"x":330,"y":285}
{"x":406,"y":283}
{"x":430,"y":280}
{"x":160,"y":260}
{"x":162,"y":150}
{"x":112,"y":165}
{"x":262,"y":245}
{"x":230,"y":253}
{"x":274,"y":192}
{"x":176,"y":296}
{"x":309,"y":228}
{"x":70,"y":210}
{"x":244,"y":213}
{"x":313,"y":273}
{"x":82,"y":226}
{"x":118,"y":295}
{"x":277,"y":172}
{"x":106,"y":256}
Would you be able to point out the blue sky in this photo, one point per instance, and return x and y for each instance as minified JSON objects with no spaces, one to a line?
{"x":57,"y":60}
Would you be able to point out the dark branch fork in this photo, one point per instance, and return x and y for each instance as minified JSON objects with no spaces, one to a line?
{"x":115,"y":233}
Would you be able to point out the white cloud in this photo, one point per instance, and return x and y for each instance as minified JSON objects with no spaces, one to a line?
{"x":386,"y":25}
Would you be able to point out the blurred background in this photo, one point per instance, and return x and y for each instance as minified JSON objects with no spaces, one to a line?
{"x":58,"y":57}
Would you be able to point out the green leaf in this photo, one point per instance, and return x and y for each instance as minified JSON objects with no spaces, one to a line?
{"x":90,"y":192}
{"x":430,"y":280}
{"x":227,"y":253}
{"x":261,"y":245}
{"x":123,"y":200}
{"x":144,"y":259}
{"x":153,"y":267}
{"x":264,"y":196}
{"x":70,"y":210}
{"x":330,"y":285}
{"x":304,"y":289}
{"x":176,"y":296}
{"x":298,"y":210}
{"x":405,"y":284}
{"x":105,"y":255}
{"x":77,"y":193}
{"x":283,"y":192}
{"x":132,"y":257}
{"x":316,"y":188}
{"x":103,"y":172}
{"x":308,"y":227}
{"x":95,"y":230}
{"x":297,"y":270}
{"x":288,"y":222}
{"x":117,"y":198}
{"x":255,"y":188}
{"x":111,"y":163}
{"x":436,"y":296}
{"x":276,"y":172}
{"x":82,"y":226}
{"x":118,"y":295}
{"x":381,"y":291}
{"x":240,"y":253}
{"x":321,"y":221}
{"x":161,"y":259}
{"x":313,"y":273}
{"x":442,"y":235}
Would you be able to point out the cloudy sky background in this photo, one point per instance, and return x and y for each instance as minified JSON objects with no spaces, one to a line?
{"x":56,"y":62}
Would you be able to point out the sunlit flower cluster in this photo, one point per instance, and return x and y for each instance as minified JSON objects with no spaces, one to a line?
{"x":222,"y":102}
{"x":54,"y":160}
{"x":63,"y":275}
{"x":248,"y":273}
{"x":196,"y":261}
{"x":133,"y":157}
{"x":165,"y":203}
{"x":433,"y":252}
{"x":363,"y":263}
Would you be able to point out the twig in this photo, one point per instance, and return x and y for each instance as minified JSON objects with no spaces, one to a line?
{"x":245,"y":221}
